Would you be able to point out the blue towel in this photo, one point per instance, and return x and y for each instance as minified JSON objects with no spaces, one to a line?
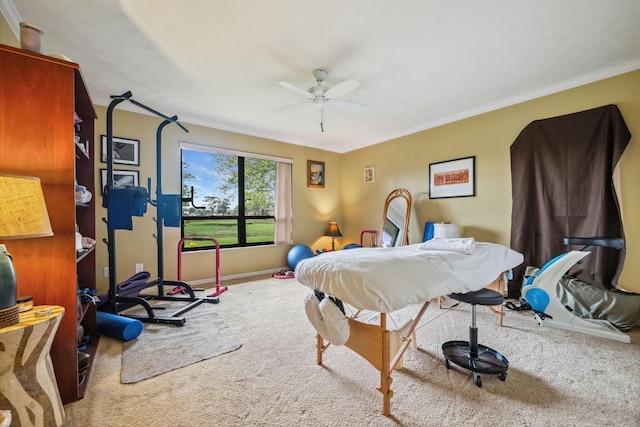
{"x":169,"y":207}
{"x":139,"y":202}
{"x":428,"y":231}
{"x":123,"y":203}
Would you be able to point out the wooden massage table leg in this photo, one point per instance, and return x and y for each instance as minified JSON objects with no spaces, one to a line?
{"x":320,"y":348}
{"x":373,"y":342}
{"x":499,"y":285}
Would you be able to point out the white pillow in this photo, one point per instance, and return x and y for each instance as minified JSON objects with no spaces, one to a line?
{"x":311,"y":304}
{"x":336,"y":323}
{"x":327,"y":319}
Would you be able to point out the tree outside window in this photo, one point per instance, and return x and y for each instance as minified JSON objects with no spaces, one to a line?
{"x":230,"y":198}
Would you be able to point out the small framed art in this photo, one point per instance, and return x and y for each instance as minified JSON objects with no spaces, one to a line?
{"x":125,"y":151}
{"x":453,"y":178}
{"x":369,"y":174}
{"x":315,"y":174}
{"x":121,"y":178}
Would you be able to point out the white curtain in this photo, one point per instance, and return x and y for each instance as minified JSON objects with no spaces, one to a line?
{"x":283,"y":211}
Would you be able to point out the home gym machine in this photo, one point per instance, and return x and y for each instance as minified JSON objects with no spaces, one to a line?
{"x":123,"y":297}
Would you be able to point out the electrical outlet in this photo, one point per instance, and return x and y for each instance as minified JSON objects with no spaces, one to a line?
{"x":106,"y":272}
{"x":139,"y":267}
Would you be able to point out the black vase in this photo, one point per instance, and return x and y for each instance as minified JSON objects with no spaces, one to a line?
{"x":8,"y":288}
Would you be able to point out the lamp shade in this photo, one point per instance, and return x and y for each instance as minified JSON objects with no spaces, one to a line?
{"x":333,"y":230}
{"x":23,"y":212}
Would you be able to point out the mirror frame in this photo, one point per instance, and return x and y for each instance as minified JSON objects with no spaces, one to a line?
{"x":401,"y":193}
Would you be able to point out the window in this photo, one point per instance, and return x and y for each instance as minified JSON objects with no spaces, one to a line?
{"x":239,"y":199}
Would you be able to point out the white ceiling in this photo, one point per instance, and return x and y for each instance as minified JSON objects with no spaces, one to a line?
{"x":420,"y":63}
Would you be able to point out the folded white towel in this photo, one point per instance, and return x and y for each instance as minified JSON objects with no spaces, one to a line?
{"x":466,"y":245}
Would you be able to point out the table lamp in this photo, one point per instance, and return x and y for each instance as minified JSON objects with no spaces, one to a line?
{"x":333,"y":231}
{"x":23,"y":214}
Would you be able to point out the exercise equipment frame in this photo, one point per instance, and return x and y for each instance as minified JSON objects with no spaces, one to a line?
{"x":121,"y":300}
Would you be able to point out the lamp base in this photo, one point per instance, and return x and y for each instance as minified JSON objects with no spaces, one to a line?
{"x":9,"y":316}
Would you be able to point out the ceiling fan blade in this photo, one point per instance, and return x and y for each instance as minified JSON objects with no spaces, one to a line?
{"x":296,"y":89}
{"x":349,"y":106}
{"x":291,"y":107}
{"x":342,"y":88}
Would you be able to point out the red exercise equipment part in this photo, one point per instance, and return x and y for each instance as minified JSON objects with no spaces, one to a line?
{"x":219,"y":289}
{"x":373,"y":238}
{"x":284,"y":274}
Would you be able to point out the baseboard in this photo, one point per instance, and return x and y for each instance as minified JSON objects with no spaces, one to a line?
{"x":236,"y":277}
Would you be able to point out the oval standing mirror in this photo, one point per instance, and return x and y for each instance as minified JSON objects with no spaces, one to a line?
{"x":395,"y":219}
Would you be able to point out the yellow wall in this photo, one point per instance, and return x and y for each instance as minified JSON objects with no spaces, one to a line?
{"x":313,"y":208}
{"x":405,"y":162}
{"x":6,"y":35}
{"x":402,"y":162}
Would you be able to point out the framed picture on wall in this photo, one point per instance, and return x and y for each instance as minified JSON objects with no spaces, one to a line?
{"x":121,"y":178}
{"x":125,"y":151}
{"x":369,"y":174}
{"x":453,"y":178}
{"x":315,"y":174}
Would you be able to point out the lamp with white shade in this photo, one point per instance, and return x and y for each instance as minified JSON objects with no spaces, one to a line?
{"x":23,"y":215}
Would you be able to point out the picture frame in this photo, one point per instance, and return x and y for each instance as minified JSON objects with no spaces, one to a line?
{"x":125,"y":151}
{"x":121,"y":178}
{"x":316,"y":174}
{"x":369,"y":174}
{"x":453,"y":178}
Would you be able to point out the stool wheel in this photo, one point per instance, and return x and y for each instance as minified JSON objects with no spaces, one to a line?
{"x":478,"y":379}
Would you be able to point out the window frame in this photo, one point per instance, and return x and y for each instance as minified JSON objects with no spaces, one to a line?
{"x":241,"y":218}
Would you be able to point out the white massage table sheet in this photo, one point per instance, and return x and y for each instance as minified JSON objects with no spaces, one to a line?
{"x":388,"y":279}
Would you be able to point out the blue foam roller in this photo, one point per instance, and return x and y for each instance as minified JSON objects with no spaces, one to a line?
{"x":116,"y":326}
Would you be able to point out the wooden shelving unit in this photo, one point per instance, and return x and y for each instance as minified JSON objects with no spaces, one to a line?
{"x":39,"y":98}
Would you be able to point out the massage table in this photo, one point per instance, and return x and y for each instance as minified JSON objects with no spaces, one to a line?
{"x":385,"y":280}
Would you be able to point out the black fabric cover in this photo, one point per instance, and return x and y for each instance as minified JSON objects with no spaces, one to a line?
{"x":562,"y":185}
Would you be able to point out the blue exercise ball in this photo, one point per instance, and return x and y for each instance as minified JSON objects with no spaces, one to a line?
{"x":297,"y":254}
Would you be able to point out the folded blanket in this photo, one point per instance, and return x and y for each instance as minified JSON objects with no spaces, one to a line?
{"x":465,"y":245}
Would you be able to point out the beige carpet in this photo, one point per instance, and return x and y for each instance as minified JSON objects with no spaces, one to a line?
{"x":556,"y":378}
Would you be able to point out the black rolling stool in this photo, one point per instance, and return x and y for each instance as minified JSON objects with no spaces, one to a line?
{"x":469,"y":354}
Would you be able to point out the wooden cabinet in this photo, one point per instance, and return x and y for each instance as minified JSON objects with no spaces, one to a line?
{"x":39,"y":98}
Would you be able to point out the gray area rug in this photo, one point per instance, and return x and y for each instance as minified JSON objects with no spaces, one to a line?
{"x":162,"y":348}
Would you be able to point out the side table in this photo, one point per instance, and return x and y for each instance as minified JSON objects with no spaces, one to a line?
{"x":28,"y":385}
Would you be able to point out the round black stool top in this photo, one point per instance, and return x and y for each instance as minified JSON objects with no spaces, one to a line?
{"x":484,"y":296}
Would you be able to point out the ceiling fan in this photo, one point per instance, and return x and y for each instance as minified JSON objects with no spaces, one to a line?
{"x":320,"y":95}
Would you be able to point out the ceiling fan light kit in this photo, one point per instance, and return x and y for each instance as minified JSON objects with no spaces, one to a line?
{"x":319,"y":95}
